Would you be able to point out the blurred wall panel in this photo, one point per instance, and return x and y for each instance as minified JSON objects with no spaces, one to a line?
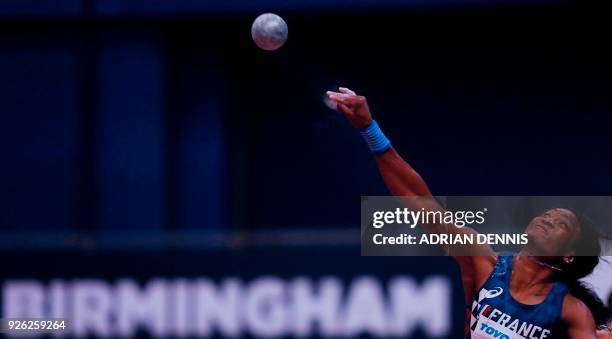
{"x":39,"y":129}
{"x":196,"y":142}
{"x":130,"y":134}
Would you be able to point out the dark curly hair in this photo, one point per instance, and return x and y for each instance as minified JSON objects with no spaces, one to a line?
{"x":583,"y":264}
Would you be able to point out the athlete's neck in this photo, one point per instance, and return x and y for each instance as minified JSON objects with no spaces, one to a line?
{"x":531,"y":273}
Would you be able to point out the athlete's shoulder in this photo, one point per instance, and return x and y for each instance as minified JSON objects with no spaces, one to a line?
{"x":486,"y":264}
{"x":486,"y":259}
{"x":572,"y":305}
{"x":577,"y":316}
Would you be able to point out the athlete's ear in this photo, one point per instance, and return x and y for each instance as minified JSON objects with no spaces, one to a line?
{"x":568,"y":259}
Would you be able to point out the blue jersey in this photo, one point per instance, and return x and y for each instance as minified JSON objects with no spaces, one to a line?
{"x":495,"y":313}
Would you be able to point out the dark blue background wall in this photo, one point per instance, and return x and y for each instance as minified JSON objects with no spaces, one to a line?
{"x":173,"y":119}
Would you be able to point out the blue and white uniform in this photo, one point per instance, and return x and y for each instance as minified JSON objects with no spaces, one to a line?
{"x":495,"y":313}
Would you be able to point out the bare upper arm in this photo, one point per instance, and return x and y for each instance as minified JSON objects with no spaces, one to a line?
{"x":474,"y":273}
{"x":476,"y":261}
{"x":435,"y":223}
{"x":578,"y":318}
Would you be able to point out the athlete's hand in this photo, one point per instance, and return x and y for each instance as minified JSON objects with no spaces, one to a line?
{"x":354,"y":107}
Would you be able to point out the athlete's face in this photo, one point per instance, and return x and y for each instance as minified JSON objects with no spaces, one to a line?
{"x":553,"y":232}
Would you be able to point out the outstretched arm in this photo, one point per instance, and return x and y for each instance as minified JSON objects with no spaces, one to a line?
{"x":410,"y":188}
{"x":400,"y":178}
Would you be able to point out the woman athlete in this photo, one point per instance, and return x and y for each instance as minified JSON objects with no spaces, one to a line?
{"x":521,"y":296}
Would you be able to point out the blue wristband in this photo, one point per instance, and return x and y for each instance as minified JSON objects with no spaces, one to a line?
{"x":375,"y":138}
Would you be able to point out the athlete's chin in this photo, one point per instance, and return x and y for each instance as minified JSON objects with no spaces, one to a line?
{"x":535,"y":238}
{"x":539,"y":245}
